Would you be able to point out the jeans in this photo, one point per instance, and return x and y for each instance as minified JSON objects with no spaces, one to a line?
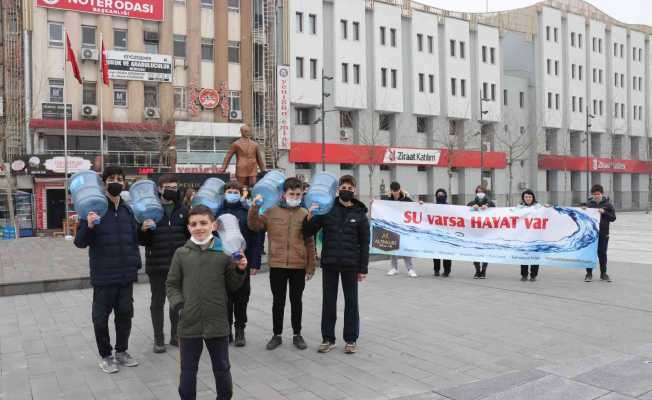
{"x":189,"y":352}
{"x":279,"y":280}
{"x":120,"y":300}
{"x":330,"y":280}
{"x":603,"y":244}
{"x":394,"y":261}
{"x":237,"y":304}
{"x":437,"y":265}
{"x":157,"y":306}
{"x":534,"y":271}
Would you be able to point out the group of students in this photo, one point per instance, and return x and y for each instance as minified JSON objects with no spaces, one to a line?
{"x":207,"y":290}
{"x":482,"y":201}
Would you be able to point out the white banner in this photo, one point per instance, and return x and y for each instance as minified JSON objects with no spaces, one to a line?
{"x":554,"y":236}
{"x":283,"y":106}
{"x":397,"y":155}
{"x":139,"y":66}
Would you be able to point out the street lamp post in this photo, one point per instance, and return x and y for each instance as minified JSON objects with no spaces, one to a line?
{"x":323,"y":115}
{"x":588,"y":156}
{"x":482,"y":113}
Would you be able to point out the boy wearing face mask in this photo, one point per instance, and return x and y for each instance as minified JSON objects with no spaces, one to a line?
{"x":480,"y":202}
{"x":441,"y":198}
{"x":114,"y":261}
{"x":291,"y":257}
{"x":239,"y":299}
{"x":161,"y":240}
{"x":607,"y":215}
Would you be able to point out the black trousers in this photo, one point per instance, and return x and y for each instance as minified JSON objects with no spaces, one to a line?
{"x":603,"y":244}
{"x":330,"y":281}
{"x":480,"y":267}
{"x":189,"y":352}
{"x":237,"y":304}
{"x":534,"y":271}
{"x":120,"y":300}
{"x":279,"y":280}
{"x":437,"y":265}
{"x":157,"y":306}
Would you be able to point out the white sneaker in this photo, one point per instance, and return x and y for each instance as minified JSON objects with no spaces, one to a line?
{"x":412,"y":274}
{"x":392,"y":272}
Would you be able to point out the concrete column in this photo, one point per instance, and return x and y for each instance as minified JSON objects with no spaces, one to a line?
{"x":165,"y":45}
{"x":135,"y":89}
{"x":193,"y":44}
{"x":220,"y":57}
{"x":246,"y":61}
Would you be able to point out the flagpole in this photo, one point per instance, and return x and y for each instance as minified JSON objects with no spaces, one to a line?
{"x":65,"y":131}
{"x":101,"y":109}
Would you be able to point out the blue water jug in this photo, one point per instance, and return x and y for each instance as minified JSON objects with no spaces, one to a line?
{"x":145,"y":202}
{"x":210,"y":194}
{"x":228,"y":229}
{"x":270,"y":188}
{"x":88,"y":195}
{"x":322,"y":192}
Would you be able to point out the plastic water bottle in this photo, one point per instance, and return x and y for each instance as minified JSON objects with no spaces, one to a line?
{"x":145,"y":202}
{"x":88,"y":194}
{"x":230,"y":235}
{"x":270,"y":188}
{"x":210,"y":194}
{"x":322,"y":192}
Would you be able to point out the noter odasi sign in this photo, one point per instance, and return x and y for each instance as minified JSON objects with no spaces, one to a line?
{"x":140,"y":9}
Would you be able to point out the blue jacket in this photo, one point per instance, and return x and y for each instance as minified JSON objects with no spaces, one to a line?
{"x":253,"y":250}
{"x":113,"y":253}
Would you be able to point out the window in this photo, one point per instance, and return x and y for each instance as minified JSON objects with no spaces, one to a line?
{"x":345,"y":72}
{"x":120,"y":39}
{"x":616,"y":79}
{"x":615,"y":110}
{"x":313,"y":68}
{"x":633,"y":53}
{"x":422,"y":124}
{"x":180,"y":98}
{"x":383,"y":77}
{"x":485,"y":91}
{"x":548,"y":33}
{"x":394,"y":78}
{"x":419,"y":42}
{"x":356,"y":31}
{"x":151,"y":42}
{"x":234,"y":52}
{"x":356,"y":74}
{"x":521,"y":99}
{"x":600,"y":107}
{"x":581,"y":103}
{"x":346,"y":119}
{"x":600,"y":46}
{"x":452,"y":46}
{"x":579,"y":72}
{"x":622,"y":51}
{"x":234,"y":5}
{"x":595,"y":75}
{"x":572,"y":71}
{"x":234,"y":100}
{"x":640,"y":83}
{"x":484,"y":54}
{"x":299,"y":21}
{"x":640,"y":55}
{"x":384,"y":122}
{"x":622,"y":80}
{"x":88,"y":36}
{"x":453,"y":87}
{"x":572,"y":39}
{"x":421,"y":82}
{"x":179,"y":45}
{"x":595,"y":107}
{"x":303,"y":116}
{"x":312,"y":23}
{"x":207,"y":50}
{"x":56,"y":90}
{"x":633,"y":83}
{"x":207,"y":3}
{"x":600,"y":76}
{"x":89,"y":93}
{"x":573,"y":103}
{"x":345,"y":31}
{"x":492,"y":55}
{"x":615,"y":49}
{"x":461,"y":49}
{"x":548,"y":66}
{"x":556,"y":68}
{"x":55,"y":34}
{"x":579,"y":40}
{"x":595,"y":41}
{"x":392,"y":37}
{"x":622,"y":110}
{"x":556,"y":31}
{"x":202,"y":144}
{"x":493,"y":92}
{"x":549,"y":99}
{"x":504,"y":97}
{"x":431,"y":83}
{"x":635,"y":109}
{"x":299,"y":67}
{"x":463,"y":87}
{"x":430,"y":44}
{"x":151,"y":96}
{"x":382,"y":35}
{"x":119,"y":94}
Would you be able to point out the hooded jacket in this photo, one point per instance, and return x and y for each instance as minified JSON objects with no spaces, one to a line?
{"x":444,"y":200}
{"x":608,"y":216}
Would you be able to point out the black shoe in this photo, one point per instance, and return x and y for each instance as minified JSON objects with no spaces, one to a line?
{"x":436,"y":272}
{"x":588,"y":277}
{"x":483,"y":275}
{"x":533,"y":279}
{"x":299,"y":343}
{"x":445,"y":274}
{"x":477,"y":275}
{"x":524,"y":278}
{"x":159,"y":347}
{"x":174,"y":342}
{"x":240,"y":340}
{"x":274,"y":342}
{"x":605,"y":277}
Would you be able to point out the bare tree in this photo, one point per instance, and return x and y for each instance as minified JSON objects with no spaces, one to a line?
{"x":368,"y":135}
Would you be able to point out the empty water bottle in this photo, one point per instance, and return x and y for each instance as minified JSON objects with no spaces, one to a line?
{"x":230,"y":235}
{"x":270,"y":189}
{"x":88,"y":194}
{"x":322,"y":192}
{"x":210,"y":194}
{"x":145,"y":202}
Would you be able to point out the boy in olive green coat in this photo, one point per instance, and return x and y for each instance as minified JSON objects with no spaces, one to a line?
{"x":200,"y":277}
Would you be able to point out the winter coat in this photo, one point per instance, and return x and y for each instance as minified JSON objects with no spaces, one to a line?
{"x":114,"y":256}
{"x":444,"y":200}
{"x":288,"y":248}
{"x":197,"y":285}
{"x":480,"y":202}
{"x":346,"y":237}
{"x":402,"y":197}
{"x":160,"y":244}
{"x":608,"y":216}
{"x":253,"y":250}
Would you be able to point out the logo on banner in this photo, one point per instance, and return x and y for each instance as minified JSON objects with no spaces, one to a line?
{"x":385,"y":240}
{"x":395,"y":155}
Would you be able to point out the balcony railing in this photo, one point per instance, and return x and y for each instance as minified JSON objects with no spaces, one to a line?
{"x":123,"y":158}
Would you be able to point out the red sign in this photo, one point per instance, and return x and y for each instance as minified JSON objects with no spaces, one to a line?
{"x":140,"y":9}
{"x":361,"y":154}
{"x":569,"y":163}
{"x":145,"y":171}
{"x":209,"y":98}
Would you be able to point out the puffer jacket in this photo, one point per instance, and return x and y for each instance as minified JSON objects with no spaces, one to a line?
{"x":346,"y":237}
{"x":252,"y":239}
{"x":607,"y":217}
{"x":402,"y":197}
{"x":114,"y":256}
{"x":160,"y":244}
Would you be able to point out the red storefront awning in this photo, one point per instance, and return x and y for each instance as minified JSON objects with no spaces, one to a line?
{"x":595,"y":164}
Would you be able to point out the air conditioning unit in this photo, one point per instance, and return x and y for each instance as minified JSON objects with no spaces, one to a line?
{"x":235,"y":115}
{"x":89,"y":54}
{"x":89,"y":111}
{"x":345,"y":135}
{"x":180,"y":62}
{"x":152,"y":113}
{"x":522,"y":185}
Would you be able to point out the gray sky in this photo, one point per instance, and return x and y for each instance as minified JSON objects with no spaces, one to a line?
{"x":628,"y":11}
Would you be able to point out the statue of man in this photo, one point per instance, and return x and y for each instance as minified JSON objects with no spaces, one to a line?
{"x":247,"y":158}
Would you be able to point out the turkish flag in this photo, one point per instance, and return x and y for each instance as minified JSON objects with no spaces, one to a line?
{"x":70,"y":56}
{"x":104,"y":66}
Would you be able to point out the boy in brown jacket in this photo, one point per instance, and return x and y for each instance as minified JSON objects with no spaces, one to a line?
{"x":291,"y":256}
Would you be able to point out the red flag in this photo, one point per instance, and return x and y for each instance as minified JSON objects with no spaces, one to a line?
{"x":104,"y":66}
{"x":70,"y":56}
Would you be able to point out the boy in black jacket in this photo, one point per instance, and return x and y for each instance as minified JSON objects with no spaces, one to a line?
{"x":607,"y":215}
{"x":441,"y":197}
{"x":160,"y":244}
{"x":480,"y":202}
{"x":345,"y":253}
{"x":114,"y":261}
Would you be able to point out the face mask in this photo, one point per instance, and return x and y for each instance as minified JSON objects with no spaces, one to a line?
{"x":201,"y":242}
{"x":170,"y":194}
{"x":293,"y":202}
{"x":441,"y":199}
{"x":346,"y":195}
{"x":480,"y":195}
{"x":114,"y":188}
{"x":232,"y":198}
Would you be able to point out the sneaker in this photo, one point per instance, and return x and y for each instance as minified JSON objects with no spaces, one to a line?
{"x":274,"y":342}
{"x":533,"y":279}
{"x":588,"y":277}
{"x":445,"y":275}
{"x":174,"y":341}
{"x":108,"y":365}
{"x":412,"y":274}
{"x":159,"y":348}
{"x":476,"y":276}
{"x":523,"y":278}
{"x":326,"y":346}
{"x":124,"y":359}
{"x":483,"y":275}
{"x":240,"y":340}
{"x":392,"y":272}
{"x":605,"y":277}
{"x":351,"y":348}
{"x":436,"y":272}
{"x":299,"y":343}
